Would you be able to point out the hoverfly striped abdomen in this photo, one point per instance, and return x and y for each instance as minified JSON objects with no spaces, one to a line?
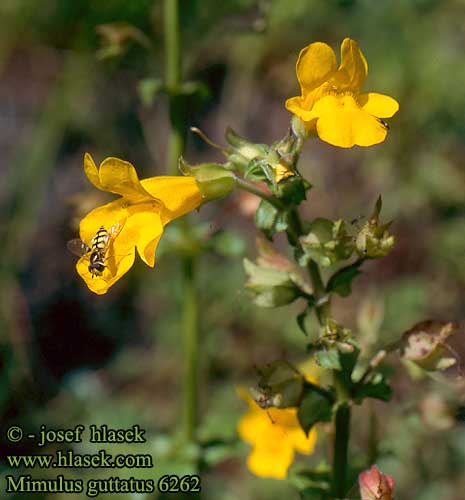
{"x":100,"y":240}
{"x":96,"y":253}
{"x":99,"y":248}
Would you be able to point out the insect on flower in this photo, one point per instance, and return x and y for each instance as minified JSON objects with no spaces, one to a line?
{"x":96,"y":253}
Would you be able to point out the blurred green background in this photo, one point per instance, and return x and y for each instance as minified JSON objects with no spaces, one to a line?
{"x":68,"y":86}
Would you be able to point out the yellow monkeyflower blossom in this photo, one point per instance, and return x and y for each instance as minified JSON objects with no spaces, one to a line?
{"x":331,"y":102}
{"x":275,"y":435}
{"x":135,"y":220}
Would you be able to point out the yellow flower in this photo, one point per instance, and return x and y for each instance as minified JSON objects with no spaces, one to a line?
{"x":135,"y":220}
{"x":275,"y":435}
{"x":332,"y":103}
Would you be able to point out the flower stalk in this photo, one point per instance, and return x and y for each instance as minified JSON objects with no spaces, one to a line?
{"x":190,"y":341}
{"x":173,"y":78}
{"x":176,"y":145}
{"x":251,"y":188}
{"x":341,"y":447}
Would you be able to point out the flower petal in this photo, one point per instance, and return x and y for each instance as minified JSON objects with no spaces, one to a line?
{"x":315,"y":64}
{"x":91,"y":171}
{"x":120,"y":177}
{"x":342,"y":123}
{"x":178,"y":194}
{"x":353,"y":69}
{"x":301,"y":442}
{"x":272,"y":460}
{"x":296,"y":105}
{"x":251,"y":426}
{"x":379,"y":105}
{"x":148,"y":228}
{"x":105,"y":216}
{"x":117,"y":266}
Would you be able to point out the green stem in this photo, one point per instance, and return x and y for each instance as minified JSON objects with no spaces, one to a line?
{"x":173,"y":78}
{"x":251,"y":188}
{"x":341,"y":447}
{"x":342,"y":417}
{"x":177,"y":139}
{"x":323,"y":310}
{"x":190,"y":327}
{"x":295,"y":230}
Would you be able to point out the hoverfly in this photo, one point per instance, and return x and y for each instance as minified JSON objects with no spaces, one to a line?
{"x":97,"y":252}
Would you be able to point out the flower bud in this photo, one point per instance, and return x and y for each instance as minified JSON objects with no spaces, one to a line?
{"x":241,"y":152}
{"x":327,"y":242}
{"x":298,"y":127}
{"x":335,"y":335}
{"x":373,"y":240}
{"x":425,"y":345}
{"x":214,"y":181}
{"x":374,"y":485}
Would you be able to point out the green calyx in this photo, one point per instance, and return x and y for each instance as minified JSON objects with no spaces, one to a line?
{"x":214,"y":180}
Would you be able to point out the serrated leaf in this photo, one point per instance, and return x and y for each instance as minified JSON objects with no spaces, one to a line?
{"x":314,"y":407}
{"x":341,"y":281}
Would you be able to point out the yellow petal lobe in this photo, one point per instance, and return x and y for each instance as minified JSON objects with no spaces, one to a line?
{"x":270,"y":460}
{"x":274,"y":435}
{"x":91,"y":171}
{"x":348,"y":128}
{"x":379,"y":105}
{"x":353,"y":70}
{"x":148,"y":228}
{"x":120,"y":177}
{"x":315,"y":64}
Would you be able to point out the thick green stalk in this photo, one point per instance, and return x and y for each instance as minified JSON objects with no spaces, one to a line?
{"x":173,"y":80}
{"x":178,"y":130}
{"x":190,"y":341}
{"x":341,"y":447}
{"x":342,"y":417}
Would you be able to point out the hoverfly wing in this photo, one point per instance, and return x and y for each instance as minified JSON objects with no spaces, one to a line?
{"x":114,"y":230}
{"x":77,"y":247}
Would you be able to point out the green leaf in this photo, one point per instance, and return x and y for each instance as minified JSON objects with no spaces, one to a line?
{"x":269,"y":220}
{"x":315,"y":407}
{"x":303,"y":315}
{"x":378,"y":207}
{"x":328,"y":359}
{"x":292,"y":190}
{"x":380,"y":390}
{"x":341,"y":281}
{"x":265,"y":218}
